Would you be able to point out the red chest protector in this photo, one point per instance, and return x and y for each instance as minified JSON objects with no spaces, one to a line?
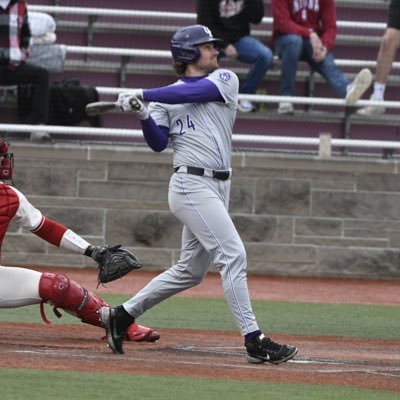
{"x":9,"y":203}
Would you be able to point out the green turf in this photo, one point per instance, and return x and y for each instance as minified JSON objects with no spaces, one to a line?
{"x":364,"y":321}
{"x":26,"y":384}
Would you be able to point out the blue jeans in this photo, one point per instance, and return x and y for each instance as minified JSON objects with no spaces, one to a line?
{"x":292,"y":48}
{"x":252,"y":51}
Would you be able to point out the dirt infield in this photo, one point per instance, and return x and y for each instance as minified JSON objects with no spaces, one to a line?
{"x":321,"y":360}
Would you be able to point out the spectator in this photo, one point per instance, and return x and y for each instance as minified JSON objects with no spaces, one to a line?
{"x":387,"y":51}
{"x":14,"y":50}
{"x":230,"y":21}
{"x":306,"y":30}
{"x":44,"y":51}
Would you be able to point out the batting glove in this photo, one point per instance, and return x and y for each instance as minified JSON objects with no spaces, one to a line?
{"x":137,"y":106}
{"x":121,"y":103}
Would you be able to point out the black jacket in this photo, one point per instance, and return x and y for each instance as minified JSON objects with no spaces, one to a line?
{"x":229,"y":20}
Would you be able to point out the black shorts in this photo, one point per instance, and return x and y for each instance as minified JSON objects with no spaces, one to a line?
{"x":394,"y":14}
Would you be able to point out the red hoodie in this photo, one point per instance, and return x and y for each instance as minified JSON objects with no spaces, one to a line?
{"x":300,"y":17}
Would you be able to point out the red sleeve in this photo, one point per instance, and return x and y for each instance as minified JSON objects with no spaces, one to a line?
{"x":328,"y":24}
{"x":50,"y":231}
{"x":283,"y":21}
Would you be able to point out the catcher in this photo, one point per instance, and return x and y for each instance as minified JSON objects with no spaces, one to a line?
{"x":21,"y":287}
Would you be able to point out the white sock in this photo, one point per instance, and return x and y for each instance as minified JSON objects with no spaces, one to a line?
{"x":379,"y":91}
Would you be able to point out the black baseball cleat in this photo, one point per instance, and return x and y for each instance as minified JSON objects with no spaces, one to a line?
{"x":262,"y":349}
{"x":116,"y":322}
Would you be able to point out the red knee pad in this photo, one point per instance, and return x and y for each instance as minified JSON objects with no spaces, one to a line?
{"x":70,"y":296}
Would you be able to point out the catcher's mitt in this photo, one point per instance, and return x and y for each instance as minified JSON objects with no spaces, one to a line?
{"x":114,"y":262}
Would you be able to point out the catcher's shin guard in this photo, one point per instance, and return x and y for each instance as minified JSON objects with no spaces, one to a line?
{"x":70,"y":296}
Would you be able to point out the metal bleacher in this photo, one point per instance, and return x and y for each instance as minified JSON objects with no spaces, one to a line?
{"x":124,"y":49}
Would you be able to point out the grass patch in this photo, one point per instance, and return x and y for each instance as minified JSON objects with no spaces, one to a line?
{"x":19,"y":384}
{"x":364,"y":321}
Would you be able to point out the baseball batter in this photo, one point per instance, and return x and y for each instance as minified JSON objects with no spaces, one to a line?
{"x":21,"y":286}
{"x":197,"y":114}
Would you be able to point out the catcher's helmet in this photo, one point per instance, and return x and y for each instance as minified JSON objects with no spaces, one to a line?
{"x":6,"y":161}
{"x":185,"y":41}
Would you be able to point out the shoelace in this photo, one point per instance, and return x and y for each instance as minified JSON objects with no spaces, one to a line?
{"x":271,"y":345}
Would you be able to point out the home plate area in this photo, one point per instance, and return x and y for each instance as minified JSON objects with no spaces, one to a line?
{"x":321,"y":360}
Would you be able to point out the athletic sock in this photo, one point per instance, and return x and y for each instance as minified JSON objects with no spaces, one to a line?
{"x":252,"y":335}
{"x":379,"y":91}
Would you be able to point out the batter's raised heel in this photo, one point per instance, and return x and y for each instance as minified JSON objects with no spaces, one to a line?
{"x":262,"y":349}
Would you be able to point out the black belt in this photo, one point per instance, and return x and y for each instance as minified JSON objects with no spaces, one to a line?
{"x":216,"y":174}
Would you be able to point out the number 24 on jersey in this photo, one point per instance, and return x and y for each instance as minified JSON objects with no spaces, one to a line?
{"x":184,"y":126}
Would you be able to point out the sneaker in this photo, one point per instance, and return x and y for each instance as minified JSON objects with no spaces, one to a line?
{"x":139,"y":333}
{"x":358,"y":87}
{"x":262,"y":349}
{"x":116,"y":322}
{"x":246,"y":106}
{"x":285,"y":108}
{"x":371,"y":111}
{"x":40,"y":137}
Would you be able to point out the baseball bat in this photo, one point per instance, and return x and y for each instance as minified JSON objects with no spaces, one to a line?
{"x":100,"y":107}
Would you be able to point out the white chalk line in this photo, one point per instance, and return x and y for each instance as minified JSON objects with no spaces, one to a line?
{"x":383,"y":371}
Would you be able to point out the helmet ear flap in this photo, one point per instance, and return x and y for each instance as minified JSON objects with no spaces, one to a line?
{"x":185,"y":54}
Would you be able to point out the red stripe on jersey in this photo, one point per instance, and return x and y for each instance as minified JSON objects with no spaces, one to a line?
{"x":50,"y":231}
